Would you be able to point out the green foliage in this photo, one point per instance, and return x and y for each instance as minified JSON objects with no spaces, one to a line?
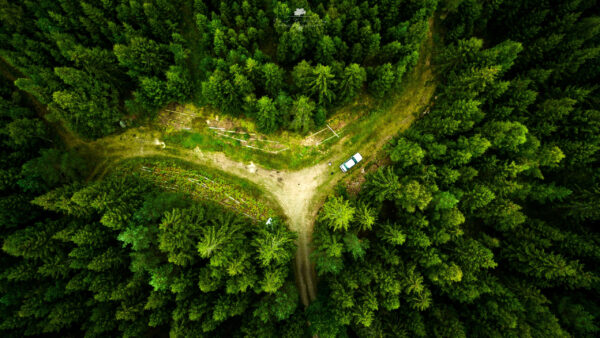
{"x":266,"y":115}
{"x":85,"y":59}
{"x":407,"y":153}
{"x":352,"y":81}
{"x":480,"y":217}
{"x":484,"y":223}
{"x":273,"y":76}
{"x":142,"y":57}
{"x":337,"y":213}
{"x":383,"y":81}
{"x":302,"y":75}
{"x":274,"y":246}
{"x":26,"y":132}
{"x":166,"y":241}
{"x":51,"y":169}
{"x":322,"y":84}
{"x":303,"y":110}
{"x":119,"y":257}
{"x":365,"y":217}
{"x":324,"y":54}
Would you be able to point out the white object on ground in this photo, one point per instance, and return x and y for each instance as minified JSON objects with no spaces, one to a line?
{"x":351,"y":162}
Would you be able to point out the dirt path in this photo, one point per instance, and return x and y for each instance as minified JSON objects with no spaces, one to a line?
{"x":299,"y":193}
{"x":294,"y":192}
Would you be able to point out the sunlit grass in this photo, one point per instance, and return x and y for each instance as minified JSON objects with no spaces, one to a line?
{"x":203,"y":183}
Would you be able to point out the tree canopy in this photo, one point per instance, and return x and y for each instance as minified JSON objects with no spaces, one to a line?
{"x":96,"y":64}
{"x":473,"y":225}
{"x":479,"y":219}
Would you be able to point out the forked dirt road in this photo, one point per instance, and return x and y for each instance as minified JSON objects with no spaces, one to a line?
{"x":294,"y":191}
{"x":300,"y":193}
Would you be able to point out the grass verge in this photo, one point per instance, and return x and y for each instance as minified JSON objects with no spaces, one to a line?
{"x":203,"y":183}
{"x":359,"y":123}
{"x":295,"y":157}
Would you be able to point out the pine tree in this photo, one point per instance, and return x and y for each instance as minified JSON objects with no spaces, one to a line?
{"x":407,"y":153}
{"x":266,"y":115}
{"x":302,"y":76}
{"x":273,"y":76}
{"x":338,"y":213}
{"x":383,"y":81}
{"x":303,"y":110}
{"x":323,"y":84}
{"x":325,"y":51}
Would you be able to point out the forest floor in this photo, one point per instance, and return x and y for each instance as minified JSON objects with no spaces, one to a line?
{"x":300,"y":193}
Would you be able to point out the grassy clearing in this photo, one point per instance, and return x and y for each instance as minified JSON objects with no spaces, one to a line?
{"x":359,"y":124}
{"x":400,"y":110}
{"x":203,"y":183}
{"x":295,"y":157}
{"x":281,"y":150}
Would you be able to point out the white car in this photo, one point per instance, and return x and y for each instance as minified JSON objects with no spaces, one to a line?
{"x":351,"y":162}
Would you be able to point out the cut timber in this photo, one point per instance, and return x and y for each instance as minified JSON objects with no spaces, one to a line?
{"x":178,"y":112}
{"x":333,"y":131}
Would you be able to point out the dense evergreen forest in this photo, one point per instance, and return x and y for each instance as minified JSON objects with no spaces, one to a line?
{"x":482,"y":223}
{"x":122,"y":255}
{"x":485,"y":224}
{"x":95,"y":63}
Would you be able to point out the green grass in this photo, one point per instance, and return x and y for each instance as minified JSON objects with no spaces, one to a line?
{"x":203,"y":183}
{"x":297,"y":156}
{"x":378,"y":120}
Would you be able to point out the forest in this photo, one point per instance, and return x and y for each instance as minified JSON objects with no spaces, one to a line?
{"x":97,"y":63}
{"x":481,"y":221}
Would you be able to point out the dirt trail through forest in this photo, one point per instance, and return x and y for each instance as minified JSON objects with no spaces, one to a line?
{"x":299,"y":193}
{"x":294,"y":192}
